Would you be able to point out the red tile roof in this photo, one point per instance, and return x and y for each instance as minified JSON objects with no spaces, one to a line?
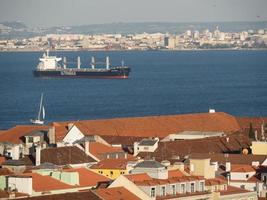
{"x":233,"y":190}
{"x":171,"y":150}
{"x":111,"y":164}
{"x":116,"y":193}
{"x":15,"y":134}
{"x":88,"y":178}
{"x":215,"y":181}
{"x":159,"y":126}
{"x":175,"y":173}
{"x":242,"y":168}
{"x":138,"y":177}
{"x":2,"y":159}
{"x":98,"y":149}
{"x":81,"y":195}
{"x":144,"y":179}
{"x":5,"y":171}
{"x":46,"y":183}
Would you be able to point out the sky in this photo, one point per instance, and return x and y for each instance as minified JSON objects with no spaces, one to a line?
{"x":48,"y":13}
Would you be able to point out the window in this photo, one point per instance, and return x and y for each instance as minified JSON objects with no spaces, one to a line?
{"x":264,"y":179}
{"x":247,"y":175}
{"x":153,"y":192}
{"x":30,"y":139}
{"x":122,"y":172}
{"x":163,"y":191}
{"x":201,"y":186}
{"x":182,"y":188}
{"x":173,"y":188}
{"x":192,"y":187}
{"x":111,"y":173}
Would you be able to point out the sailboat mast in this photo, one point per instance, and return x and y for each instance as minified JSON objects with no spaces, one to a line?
{"x":40,"y":108}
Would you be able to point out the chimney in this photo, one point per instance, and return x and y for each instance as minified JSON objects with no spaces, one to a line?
{"x":86,"y":147}
{"x":192,"y":168}
{"x":51,"y":135}
{"x":227,"y":139}
{"x":70,"y":125}
{"x":227,"y":166}
{"x":255,"y":163}
{"x":38,"y":155}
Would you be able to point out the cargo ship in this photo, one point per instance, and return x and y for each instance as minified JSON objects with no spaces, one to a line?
{"x":50,"y":66}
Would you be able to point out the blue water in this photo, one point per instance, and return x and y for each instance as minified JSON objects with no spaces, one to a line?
{"x":161,"y":82}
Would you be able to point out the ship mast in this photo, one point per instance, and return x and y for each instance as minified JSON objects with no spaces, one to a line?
{"x":40,"y":107}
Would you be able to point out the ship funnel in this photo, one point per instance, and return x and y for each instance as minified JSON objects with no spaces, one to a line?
{"x":64,"y":62}
{"x":107,"y":62}
{"x":78,"y":62}
{"x":93,"y":62}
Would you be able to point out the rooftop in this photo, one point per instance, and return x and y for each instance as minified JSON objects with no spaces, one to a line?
{"x":154,"y":126}
{"x":149,"y":164}
{"x":147,"y":142}
{"x":15,"y":134}
{"x":88,"y":194}
{"x":99,"y":149}
{"x":242,"y":168}
{"x":116,"y":193}
{"x":65,"y":155}
{"x":111,"y":164}
{"x":87,"y":177}
{"x":46,"y":183}
{"x":233,"y":190}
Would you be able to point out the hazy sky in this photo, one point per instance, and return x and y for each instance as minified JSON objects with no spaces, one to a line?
{"x":77,"y":12}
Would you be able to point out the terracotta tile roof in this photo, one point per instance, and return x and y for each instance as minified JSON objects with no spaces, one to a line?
{"x":232,"y":158}
{"x":87,"y":177}
{"x":215,"y":181}
{"x":88,"y":194}
{"x":158,"y":126}
{"x":65,"y":155}
{"x":61,"y":131}
{"x":175,"y":173}
{"x":116,"y":193}
{"x":122,"y":140}
{"x":5,"y":171}
{"x":2,"y":159}
{"x":171,"y":150}
{"x":242,"y":168}
{"x":244,"y":122}
{"x":233,"y":190}
{"x":145,"y":179}
{"x":111,"y":164}
{"x":138,"y":177}
{"x":98,"y":149}
{"x":15,"y":134}
{"x":4,"y":194}
{"x":46,"y":183}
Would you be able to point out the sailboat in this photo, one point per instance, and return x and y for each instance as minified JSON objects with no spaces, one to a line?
{"x":41,"y":113}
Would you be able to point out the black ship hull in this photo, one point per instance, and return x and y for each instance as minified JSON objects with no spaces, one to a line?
{"x":117,"y":72}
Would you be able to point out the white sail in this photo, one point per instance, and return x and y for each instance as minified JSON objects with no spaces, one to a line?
{"x":43,"y":113}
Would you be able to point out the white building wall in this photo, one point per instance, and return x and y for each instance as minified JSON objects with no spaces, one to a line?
{"x":241,"y":175}
{"x":21,"y":184}
{"x":73,"y":135}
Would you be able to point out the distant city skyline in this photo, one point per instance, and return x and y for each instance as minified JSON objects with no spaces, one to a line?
{"x":83,"y":12}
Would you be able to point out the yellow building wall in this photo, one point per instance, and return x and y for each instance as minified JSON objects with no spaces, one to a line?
{"x":202,"y":167}
{"x":259,"y":148}
{"x":110,"y":173}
